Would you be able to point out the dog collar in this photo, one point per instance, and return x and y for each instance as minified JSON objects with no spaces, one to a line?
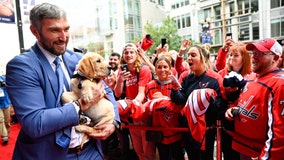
{"x":81,"y":78}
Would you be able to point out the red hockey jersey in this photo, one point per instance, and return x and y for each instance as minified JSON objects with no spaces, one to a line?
{"x":165,"y":114}
{"x":194,"y":111}
{"x":261,"y":119}
{"x":129,"y":110}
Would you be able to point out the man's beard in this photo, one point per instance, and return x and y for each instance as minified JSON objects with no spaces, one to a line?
{"x":52,"y":49}
{"x":113,"y":66}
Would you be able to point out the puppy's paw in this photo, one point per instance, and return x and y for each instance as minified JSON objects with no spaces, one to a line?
{"x":68,"y":97}
{"x":86,"y":129}
{"x":87,"y":97}
{"x":83,"y":129}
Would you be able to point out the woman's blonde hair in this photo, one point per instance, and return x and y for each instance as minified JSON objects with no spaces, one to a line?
{"x":138,"y":62}
{"x":204,"y":55}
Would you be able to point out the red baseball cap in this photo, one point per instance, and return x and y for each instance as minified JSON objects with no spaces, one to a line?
{"x":266,"y":45}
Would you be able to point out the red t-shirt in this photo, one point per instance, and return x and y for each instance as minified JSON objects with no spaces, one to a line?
{"x":133,"y":82}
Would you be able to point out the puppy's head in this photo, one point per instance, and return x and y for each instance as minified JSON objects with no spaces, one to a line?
{"x":93,"y":65}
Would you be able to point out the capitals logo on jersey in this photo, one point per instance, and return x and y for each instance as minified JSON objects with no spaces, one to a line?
{"x":164,"y":113}
{"x":203,"y":85}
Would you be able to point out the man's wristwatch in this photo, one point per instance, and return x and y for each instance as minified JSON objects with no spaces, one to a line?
{"x":116,"y":124}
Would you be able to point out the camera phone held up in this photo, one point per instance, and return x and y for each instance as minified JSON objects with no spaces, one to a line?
{"x":124,"y":67}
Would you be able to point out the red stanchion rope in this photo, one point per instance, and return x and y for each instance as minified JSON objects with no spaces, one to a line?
{"x":156,"y":128}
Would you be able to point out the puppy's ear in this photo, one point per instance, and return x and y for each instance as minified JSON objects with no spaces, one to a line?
{"x":87,"y":67}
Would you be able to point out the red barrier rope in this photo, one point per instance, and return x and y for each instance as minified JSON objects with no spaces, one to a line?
{"x":156,"y":128}
{"x":179,"y":129}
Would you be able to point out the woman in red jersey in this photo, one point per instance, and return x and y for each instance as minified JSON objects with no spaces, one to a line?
{"x":170,"y":145}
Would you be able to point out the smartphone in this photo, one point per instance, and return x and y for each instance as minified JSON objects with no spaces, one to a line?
{"x":174,"y":80}
{"x":229,"y":36}
{"x":163,"y":42}
{"x":124,"y":67}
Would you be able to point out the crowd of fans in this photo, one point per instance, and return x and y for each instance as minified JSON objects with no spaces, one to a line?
{"x":165,"y":104}
{"x":149,"y":83}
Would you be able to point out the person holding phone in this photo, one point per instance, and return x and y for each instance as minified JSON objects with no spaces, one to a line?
{"x":239,"y":61}
{"x":163,"y":42}
{"x":220,"y":62}
{"x":132,"y":83}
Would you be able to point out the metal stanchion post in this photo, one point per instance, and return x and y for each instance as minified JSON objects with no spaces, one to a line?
{"x":218,"y":140}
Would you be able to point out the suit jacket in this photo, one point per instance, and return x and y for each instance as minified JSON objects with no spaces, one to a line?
{"x":33,"y":88}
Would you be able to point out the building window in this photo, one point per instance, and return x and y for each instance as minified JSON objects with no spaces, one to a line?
{"x":277,"y":3}
{"x":186,"y":2}
{"x":217,"y":37}
{"x":244,"y":19}
{"x":232,"y":9}
{"x":204,"y":16}
{"x":161,"y":2}
{"x":277,"y":27}
{"x":282,"y":26}
{"x":207,"y":13}
{"x":243,"y":32}
{"x":132,"y":20}
{"x":179,"y":3}
{"x":247,"y":7}
{"x":177,"y":21}
{"x":217,"y":12}
{"x":185,"y":21}
{"x":254,"y":6}
{"x":243,"y":7}
{"x":255,"y":31}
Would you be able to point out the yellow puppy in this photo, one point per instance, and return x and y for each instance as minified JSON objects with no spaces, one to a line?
{"x":91,"y":69}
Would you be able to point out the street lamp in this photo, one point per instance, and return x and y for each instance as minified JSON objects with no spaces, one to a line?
{"x":205,"y":35}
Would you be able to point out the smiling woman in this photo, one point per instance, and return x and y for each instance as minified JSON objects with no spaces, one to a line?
{"x":158,"y":90}
{"x":161,"y":86}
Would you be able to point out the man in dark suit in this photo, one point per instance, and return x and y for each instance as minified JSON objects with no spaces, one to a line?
{"x":35,"y":94}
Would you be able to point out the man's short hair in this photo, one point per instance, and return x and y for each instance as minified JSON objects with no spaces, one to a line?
{"x":115,"y":54}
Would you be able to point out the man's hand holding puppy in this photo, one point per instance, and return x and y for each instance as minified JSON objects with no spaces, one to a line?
{"x":105,"y":129}
{"x":98,"y":94}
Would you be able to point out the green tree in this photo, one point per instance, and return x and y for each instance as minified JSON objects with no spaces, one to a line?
{"x":168,"y":30}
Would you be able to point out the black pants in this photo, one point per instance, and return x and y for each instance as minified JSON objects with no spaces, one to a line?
{"x":173,"y":151}
{"x":226,"y":142}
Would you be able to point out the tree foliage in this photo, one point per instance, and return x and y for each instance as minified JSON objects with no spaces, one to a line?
{"x":168,"y":29}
